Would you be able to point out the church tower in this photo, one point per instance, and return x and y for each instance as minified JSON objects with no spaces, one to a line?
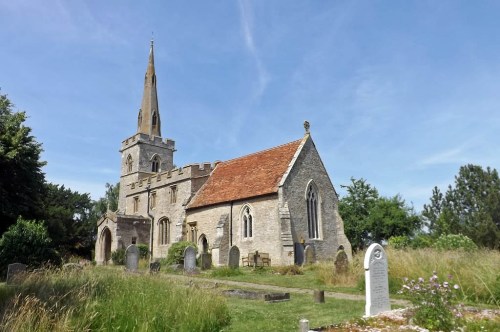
{"x":145,"y":153}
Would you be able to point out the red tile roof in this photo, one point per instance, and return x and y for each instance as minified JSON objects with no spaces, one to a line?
{"x":253,"y":175}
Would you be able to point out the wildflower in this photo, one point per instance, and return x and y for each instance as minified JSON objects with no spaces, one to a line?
{"x":445,"y":284}
{"x":456,"y":286}
{"x":420,"y":280}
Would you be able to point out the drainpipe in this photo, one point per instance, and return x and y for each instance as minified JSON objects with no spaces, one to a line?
{"x":231,"y":226}
{"x":148,"y":188}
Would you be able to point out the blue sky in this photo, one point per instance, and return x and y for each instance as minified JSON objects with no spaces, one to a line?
{"x":401,"y":93}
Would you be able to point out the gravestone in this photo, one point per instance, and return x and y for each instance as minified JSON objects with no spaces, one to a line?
{"x":234,"y":257}
{"x":206,"y":261}
{"x":15,"y":271}
{"x":189,"y":259}
{"x":154,"y":267}
{"x":377,"y":281}
{"x":319,"y":296}
{"x":341,"y":262}
{"x":299,"y":253}
{"x":132,"y":258}
{"x":276,"y":297}
{"x":309,"y":255}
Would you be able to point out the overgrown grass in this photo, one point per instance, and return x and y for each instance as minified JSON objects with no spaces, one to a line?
{"x":101,"y":299}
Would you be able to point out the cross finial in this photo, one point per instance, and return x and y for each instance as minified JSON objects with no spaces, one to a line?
{"x":307,"y":126}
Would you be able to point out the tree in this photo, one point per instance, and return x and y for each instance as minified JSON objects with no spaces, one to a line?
{"x":66,"y":214}
{"x":21,"y":176}
{"x":108,"y":202}
{"x":27,"y":242}
{"x":355,"y":208}
{"x":370,"y":218}
{"x":470,"y":207}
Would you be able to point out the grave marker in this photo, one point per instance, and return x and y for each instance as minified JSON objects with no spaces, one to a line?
{"x":206,"y":261}
{"x":341,"y":262}
{"x":377,"y":281}
{"x":15,"y":271}
{"x":234,"y":257}
{"x":189,"y":259}
{"x":309,"y":255}
{"x":299,"y":253}
{"x":132,"y":258}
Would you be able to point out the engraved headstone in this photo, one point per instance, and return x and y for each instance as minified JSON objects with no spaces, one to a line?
{"x":309,"y":255}
{"x":206,"y":261}
{"x":377,"y":281}
{"x":189,"y":259}
{"x":132,"y":258}
{"x":15,"y":271}
{"x":234,"y":257}
{"x":341,"y":262}
{"x":299,"y":254}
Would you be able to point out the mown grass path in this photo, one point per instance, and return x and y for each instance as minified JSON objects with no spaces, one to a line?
{"x":249,"y":285}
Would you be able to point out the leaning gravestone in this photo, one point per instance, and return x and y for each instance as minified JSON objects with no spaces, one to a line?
{"x":377,"y":281}
{"x":234,"y":257}
{"x":309,"y":255}
{"x":132,"y":258}
{"x":15,"y":271}
{"x":189,"y":259}
{"x":341,"y":262}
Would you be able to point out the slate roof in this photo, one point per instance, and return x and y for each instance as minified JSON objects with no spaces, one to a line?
{"x":253,"y":175}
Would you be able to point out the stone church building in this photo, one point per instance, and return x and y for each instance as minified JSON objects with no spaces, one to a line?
{"x":277,"y":201}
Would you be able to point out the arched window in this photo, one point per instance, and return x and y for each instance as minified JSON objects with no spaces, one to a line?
{"x":139,"y":120}
{"x":164,"y":230}
{"x":155,"y":164}
{"x":312,"y":211}
{"x":247,"y":223}
{"x":155,"y":119}
{"x":129,"y":163}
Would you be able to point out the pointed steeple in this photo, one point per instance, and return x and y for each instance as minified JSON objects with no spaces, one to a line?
{"x":148,"y":121}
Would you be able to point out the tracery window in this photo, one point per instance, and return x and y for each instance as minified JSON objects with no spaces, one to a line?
{"x":247,"y":223}
{"x":129,"y":163}
{"x":164,"y":230}
{"x":155,"y":164}
{"x":312,"y":211}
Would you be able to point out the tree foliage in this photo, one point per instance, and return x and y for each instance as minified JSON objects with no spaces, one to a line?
{"x":470,"y":207}
{"x":27,"y":242}
{"x":370,"y":218}
{"x":21,"y":176}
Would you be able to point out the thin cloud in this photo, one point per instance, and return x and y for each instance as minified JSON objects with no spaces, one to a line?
{"x":451,"y":156}
{"x":247,"y":27}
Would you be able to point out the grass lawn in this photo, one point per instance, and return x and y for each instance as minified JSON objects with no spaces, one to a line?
{"x":256,"y":315}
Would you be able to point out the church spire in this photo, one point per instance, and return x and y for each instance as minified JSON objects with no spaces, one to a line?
{"x":148,"y":121}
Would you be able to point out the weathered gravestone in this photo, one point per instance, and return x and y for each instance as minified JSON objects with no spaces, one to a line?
{"x":309,"y":255}
{"x":299,"y":253}
{"x":189,"y":259}
{"x":206,"y":261}
{"x":132,"y":258}
{"x":234,"y":257}
{"x":14,"y":272}
{"x":341,"y":262}
{"x":377,"y":281}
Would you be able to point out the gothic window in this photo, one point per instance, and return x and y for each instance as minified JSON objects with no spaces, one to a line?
{"x":136,"y":204}
{"x":173,"y":194}
{"x":155,"y":164}
{"x":247,"y":223}
{"x":139,"y":119}
{"x":153,"y":200}
{"x":129,"y":163}
{"x":164,"y":229}
{"x":155,"y":119}
{"x":312,"y":211}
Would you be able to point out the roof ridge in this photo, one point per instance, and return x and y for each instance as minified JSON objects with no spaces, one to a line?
{"x":262,"y":151}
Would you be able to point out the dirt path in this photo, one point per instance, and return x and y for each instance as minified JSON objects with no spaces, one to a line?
{"x":242,"y":284}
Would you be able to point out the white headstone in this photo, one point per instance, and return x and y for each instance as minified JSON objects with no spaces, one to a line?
{"x":377,"y":281}
{"x":189,"y":259}
{"x":132,"y":258}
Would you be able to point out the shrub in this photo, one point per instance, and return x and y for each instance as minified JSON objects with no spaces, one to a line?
{"x":226,"y":271}
{"x":454,"y":242}
{"x":422,"y":241}
{"x":290,"y":270}
{"x":27,"y":242}
{"x":176,"y":252}
{"x":399,"y":242}
{"x":143,"y":250}
{"x":433,"y":303}
{"x":118,"y":257}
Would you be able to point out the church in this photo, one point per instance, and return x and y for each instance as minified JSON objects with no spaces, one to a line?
{"x":279,"y":202}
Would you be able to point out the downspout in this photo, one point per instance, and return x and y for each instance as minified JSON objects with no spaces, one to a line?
{"x":231,"y":226}
{"x":148,"y":188}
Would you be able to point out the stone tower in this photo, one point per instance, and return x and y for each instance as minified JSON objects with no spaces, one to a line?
{"x":145,"y":153}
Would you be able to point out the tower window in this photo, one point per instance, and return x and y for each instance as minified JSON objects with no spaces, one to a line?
{"x":155,"y":119}
{"x":129,"y":163}
{"x":139,"y":119}
{"x":136,"y":204}
{"x":312,"y":212}
{"x":247,"y":223}
{"x":173,"y":194}
{"x":155,"y":164}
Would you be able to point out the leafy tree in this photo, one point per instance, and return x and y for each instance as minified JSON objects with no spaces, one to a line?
{"x":21,"y":176}
{"x":27,"y":242}
{"x":470,"y":207}
{"x":108,"y":202}
{"x":432,"y":211}
{"x":370,"y":218}
{"x":66,"y":214}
